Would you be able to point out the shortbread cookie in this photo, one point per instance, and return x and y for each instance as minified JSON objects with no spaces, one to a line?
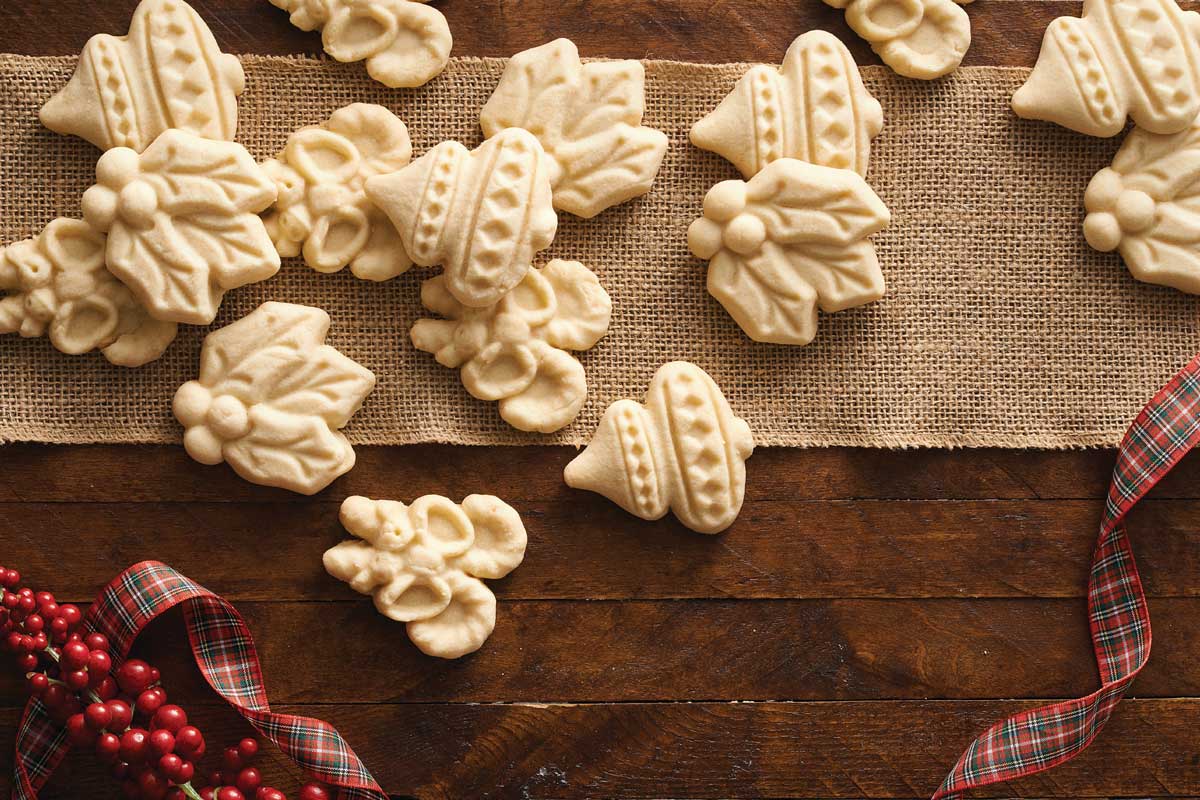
{"x":792,"y":239}
{"x":922,"y":39}
{"x":1146,"y":204}
{"x":588,"y":118}
{"x":272,"y":398}
{"x":167,"y":72}
{"x":482,"y":213}
{"x":515,"y":351}
{"x":814,"y":108}
{"x":57,"y":286}
{"x":323,"y":210}
{"x":404,"y":42}
{"x":182,"y":223}
{"x":1136,"y":58}
{"x":683,"y":450}
{"x":423,"y":564}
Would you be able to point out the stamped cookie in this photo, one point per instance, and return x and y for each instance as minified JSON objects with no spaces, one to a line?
{"x":792,"y":239}
{"x":684,"y":450}
{"x":424,"y":563}
{"x":515,"y":351}
{"x":182,"y":223}
{"x":1136,"y":58}
{"x":323,"y":210}
{"x":404,"y":42}
{"x":814,"y":108}
{"x":167,"y":72}
{"x":57,"y":286}
{"x":923,"y":39}
{"x":481,"y":213}
{"x":588,"y":118}
{"x":272,"y":398}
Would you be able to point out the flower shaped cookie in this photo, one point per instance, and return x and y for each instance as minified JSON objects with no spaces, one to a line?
{"x":514,"y":351}
{"x":423,"y":564}
{"x":323,"y":210}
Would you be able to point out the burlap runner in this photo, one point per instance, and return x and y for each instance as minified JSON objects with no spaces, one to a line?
{"x":1001,"y":327}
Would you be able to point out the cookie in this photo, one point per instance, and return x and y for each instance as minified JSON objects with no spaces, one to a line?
{"x":588,"y":118}
{"x":167,"y":72}
{"x":923,"y":39}
{"x":272,"y":398}
{"x":323,"y":211}
{"x":423,"y":564}
{"x":792,"y":239}
{"x":482,"y":213}
{"x":814,"y":108}
{"x":515,"y":351}
{"x":182,"y":223}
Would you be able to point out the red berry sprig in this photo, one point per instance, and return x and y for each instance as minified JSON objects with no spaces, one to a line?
{"x":71,"y":672}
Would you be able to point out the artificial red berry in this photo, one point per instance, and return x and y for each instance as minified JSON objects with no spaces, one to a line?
{"x":119,"y":770}
{"x":151,"y":700}
{"x":247,"y":748}
{"x":269,"y":793}
{"x":189,"y":742}
{"x":78,"y":731}
{"x":216,"y":778}
{"x":208,"y":793}
{"x":11,"y":579}
{"x":169,"y":764}
{"x":171,"y":718}
{"x":106,"y":689}
{"x":43,"y":598}
{"x":231,"y":761}
{"x":37,"y":683}
{"x":27,"y":644}
{"x":27,"y":604}
{"x":59,"y":627}
{"x":96,"y":641}
{"x":98,"y":716}
{"x":230,"y":793}
{"x":162,"y":741}
{"x":133,"y":676}
{"x":108,"y":746}
{"x":133,"y":745}
{"x":153,"y":786}
{"x":185,"y":772}
{"x":48,"y":610}
{"x":313,"y":791}
{"x":248,"y":780}
{"x":71,"y":614}
{"x":76,"y":679}
{"x":75,"y":637}
{"x":74,"y":655}
{"x":98,"y":662}
{"x":122,"y":715}
{"x":155,"y":675}
{"x":40,"y":640}
{"x":55,"y":696}
{"x":27,"y":662}
{"x":34,"y":623}
{"x":12,"y":642}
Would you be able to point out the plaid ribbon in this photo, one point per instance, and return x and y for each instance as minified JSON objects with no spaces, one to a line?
{"x":1037,"y":740}
{"x":227,"y":658}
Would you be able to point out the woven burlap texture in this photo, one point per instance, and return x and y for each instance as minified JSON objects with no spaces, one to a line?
{"x":1000,"y":328}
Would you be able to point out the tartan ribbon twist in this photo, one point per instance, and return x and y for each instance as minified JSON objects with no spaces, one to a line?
{"x":1042,"y":738}
{"x":224,"y":652}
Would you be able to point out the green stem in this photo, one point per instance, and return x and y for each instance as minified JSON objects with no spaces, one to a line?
{"x":189,"y":790}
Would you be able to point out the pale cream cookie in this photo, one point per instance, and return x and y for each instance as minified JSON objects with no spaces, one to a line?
{"x":323,"y":210}
{"x":481,"y":213}
{"x":405,"y":43}
{"x":423,"y":564}
{"x":792,"y":239}
{"x":923,"y":39}
{"x":516,"y":350}
{"x":814,"y":108}
{"x":684,"y":450}
{"x":182,"y":223}
{"x":1135,"y":58}
{"x":57,"y":286}
{"x":588,"y":118}
{"x":167,"y":72}
{"x":272,"y":398}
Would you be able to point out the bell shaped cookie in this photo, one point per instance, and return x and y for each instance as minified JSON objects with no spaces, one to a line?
{"x":1147,"y":206}
{"x":168,"y":72}
{"x":481,"y":213}
{"x":814,"y":108}
{"x":588,"y":118}
{"x":923,"y":39}
{"x":182,"y":223}
{"x":791,"y":240}
{"x":323,"y":210}
{"x":404,"y":42}
{"x":684,"y":450}
{"x":516,"y":350}
{"x":423,"y":564}
{"x":272,"y":398}
{"x":56,"y":285}
{"x":1135,"y":58}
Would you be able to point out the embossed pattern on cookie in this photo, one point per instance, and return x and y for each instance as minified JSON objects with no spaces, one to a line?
{"x":923,"y":39}
{"x":792,"y":239}
{"x":814,"y":108}
{"x":323,"y":210}
{"x":588,"y":118}
{"x":404,"y":42}
{"x":56,"y":285}
{"x":684,"y":450}
{"x":483,"y":214}
{"x":515,"y":351}
{"x":167,"y":72}
{"x":1135,"y":58}
{"x":423,"y":564}
{"x":272,"y":398}
{"x":182,"y":223}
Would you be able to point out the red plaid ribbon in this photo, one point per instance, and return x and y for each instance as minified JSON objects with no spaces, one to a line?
{"x":226,"y":656}
{"x":1034,"y":741}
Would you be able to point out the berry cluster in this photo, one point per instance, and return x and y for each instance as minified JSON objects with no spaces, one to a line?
{"x":71,"y":672}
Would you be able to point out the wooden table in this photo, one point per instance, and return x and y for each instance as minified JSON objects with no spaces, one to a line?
{"x":869,"y":613}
